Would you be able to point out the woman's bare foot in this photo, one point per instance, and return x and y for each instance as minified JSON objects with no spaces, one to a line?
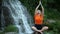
{"x":40,"y":31}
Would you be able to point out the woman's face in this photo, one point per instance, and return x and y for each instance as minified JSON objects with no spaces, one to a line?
{"x":38,"y":12}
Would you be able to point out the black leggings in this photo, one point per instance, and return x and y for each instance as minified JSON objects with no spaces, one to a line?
{"x":39,"y":27}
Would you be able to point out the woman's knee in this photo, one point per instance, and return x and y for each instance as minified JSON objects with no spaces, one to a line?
{"x":33,"y":27}
{"x":45,"y":27}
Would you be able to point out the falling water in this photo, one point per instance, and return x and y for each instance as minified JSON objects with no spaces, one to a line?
{"x":20,"y":16}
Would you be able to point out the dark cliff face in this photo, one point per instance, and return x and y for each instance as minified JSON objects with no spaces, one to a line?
{"x":0,"y":8}
{"x":6,"y":13}
{"x":0,"y":2}
{"x":0,"y":11}
{"x":7,"y":17}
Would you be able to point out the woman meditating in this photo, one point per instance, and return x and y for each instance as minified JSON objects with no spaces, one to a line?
{"x":38,"y":18}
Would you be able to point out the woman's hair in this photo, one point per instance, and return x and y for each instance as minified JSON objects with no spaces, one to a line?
{"x":38,"y":11}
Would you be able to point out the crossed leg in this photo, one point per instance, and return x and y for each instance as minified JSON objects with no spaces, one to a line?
{"x":41,"y":31}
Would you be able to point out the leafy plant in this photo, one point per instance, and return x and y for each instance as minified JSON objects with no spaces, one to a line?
{"x":11,"y":28}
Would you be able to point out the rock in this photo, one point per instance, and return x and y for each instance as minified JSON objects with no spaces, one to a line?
{"x":51,"y":21}
{"x":11,"y":33}
{"x":7,"y":16}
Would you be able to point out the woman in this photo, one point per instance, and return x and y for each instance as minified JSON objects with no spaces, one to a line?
{"x":38,"y":18}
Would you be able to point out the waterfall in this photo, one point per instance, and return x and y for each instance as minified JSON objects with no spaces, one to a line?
{"x":20,"y":15}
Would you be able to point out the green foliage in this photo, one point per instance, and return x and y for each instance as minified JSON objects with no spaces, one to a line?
{"x":51,"y":7}
{"x":11,"y":28}
{"x":54,"y":27}
{"x":1,"y":32}
{"x":31,"y":5}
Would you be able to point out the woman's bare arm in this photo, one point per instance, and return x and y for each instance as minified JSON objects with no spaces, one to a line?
{"x":42,"y":9}
{"x":37,"y":6}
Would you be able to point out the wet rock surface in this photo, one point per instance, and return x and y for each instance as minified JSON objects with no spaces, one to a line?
{"x":11,"y":33}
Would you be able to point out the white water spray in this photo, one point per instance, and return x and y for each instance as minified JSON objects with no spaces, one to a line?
{"x":19,"y":14}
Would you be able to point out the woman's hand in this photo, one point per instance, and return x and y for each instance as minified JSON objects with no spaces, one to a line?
{"x":40,"y":31}
{"x":39,"y":2}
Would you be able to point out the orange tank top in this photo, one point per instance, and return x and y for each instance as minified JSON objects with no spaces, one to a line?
{"x":38,"y":19}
